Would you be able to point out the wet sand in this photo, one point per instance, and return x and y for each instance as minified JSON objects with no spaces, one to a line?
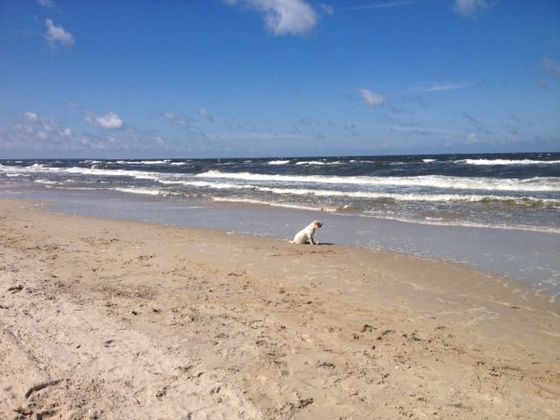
{"x":114,"y":319}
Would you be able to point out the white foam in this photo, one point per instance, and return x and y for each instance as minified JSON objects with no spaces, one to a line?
{"x":429,"y":221}
{"x":143,"y":162}
{"x":440,"y":222}
{"x":143,"y":191}
{"x":365,"y":194}
{"x":45,"y":182}
{"x":428,"y":160}
{"x":434,"y":181}
{"x":278,"y":162}
{"x":271,"y":204}
{"x":507,"y":162}
{"x":38,"y":168}
{"x":409,"y":196}
{"x":536,"y":184}
{"x":317,"y":162}
{"x":205,"y":184}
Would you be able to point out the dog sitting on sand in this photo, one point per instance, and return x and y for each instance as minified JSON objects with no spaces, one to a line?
{"x":306,"y":235}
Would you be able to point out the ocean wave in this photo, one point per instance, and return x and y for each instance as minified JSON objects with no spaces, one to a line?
{"x":464,"y":224}
{"x":388,"y":196}
{"x":272,"y":204}
{"x":45,"y":182}
{"x":490,"y":162}
{"x":427,"y":221}
{"x":535,"y":184}
{"x":317,"y":163}
{"x":522,"y":201}
{"x":428,"y":160}
{"x":143,"y":191}
{"x":39,"y":168}
{"x":205,"y":184}
{"x":277,"y":162}
{"x":542,"y":184}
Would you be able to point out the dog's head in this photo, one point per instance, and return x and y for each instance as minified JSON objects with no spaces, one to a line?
{"x":316,"y":224}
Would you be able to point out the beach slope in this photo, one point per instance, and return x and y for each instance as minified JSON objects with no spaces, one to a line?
{"x":113,"y":319}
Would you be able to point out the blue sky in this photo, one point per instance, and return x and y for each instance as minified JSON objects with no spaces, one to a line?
{"x":213,"y":78}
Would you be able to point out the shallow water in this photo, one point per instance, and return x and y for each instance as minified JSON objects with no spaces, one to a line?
{"x":530,"y":257}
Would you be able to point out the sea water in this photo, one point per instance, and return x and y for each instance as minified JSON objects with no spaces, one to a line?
{"x":500,"y":213}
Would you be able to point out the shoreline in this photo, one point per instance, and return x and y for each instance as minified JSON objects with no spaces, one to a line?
{"x":496,"y":252}
{"x":137,"y":319}
{"x":522,"y":288}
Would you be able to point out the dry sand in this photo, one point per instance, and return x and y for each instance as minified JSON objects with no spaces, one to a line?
{"x":123,"y":320}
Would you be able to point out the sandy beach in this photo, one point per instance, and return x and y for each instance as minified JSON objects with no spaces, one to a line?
{"x":106,"y":319}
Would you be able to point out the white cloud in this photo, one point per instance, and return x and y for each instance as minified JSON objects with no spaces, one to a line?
{"x":552,"y":68}
{"x":372,"y":99}
{"x":469,"y":7}
{"x":283,"y":17}
{"x":57,"y":35}
{"x":111,"y":121}
{"x":205,"y":115}
{"x":31,"y":116}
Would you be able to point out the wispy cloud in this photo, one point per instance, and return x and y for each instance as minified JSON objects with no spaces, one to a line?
{"x":472,"y":138}
{"x":379,"y":5}
{"x":188,"y":122}
{"x":204,"y":114}
{"x":35,"y":132}
{"x":427,"y":131}
{"x":480,"y":125}
{"x":469,"y":7}
{"x":283,"y":17}
{"x":372,"y":99}
{"x":56,"y":35}
{"x":43,"y":128}
{"x":438,"y":87}
{"x":45,"y":3}
{"x":176,"y":119}
{"x":543,"y":84}
{"x":111,"y":121}
{"x":552,"y":68}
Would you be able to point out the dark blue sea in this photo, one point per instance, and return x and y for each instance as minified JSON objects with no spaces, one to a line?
{"x":507,"y":191}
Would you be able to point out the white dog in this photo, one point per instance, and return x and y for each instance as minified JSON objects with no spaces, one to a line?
{"x":305,"y":236}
